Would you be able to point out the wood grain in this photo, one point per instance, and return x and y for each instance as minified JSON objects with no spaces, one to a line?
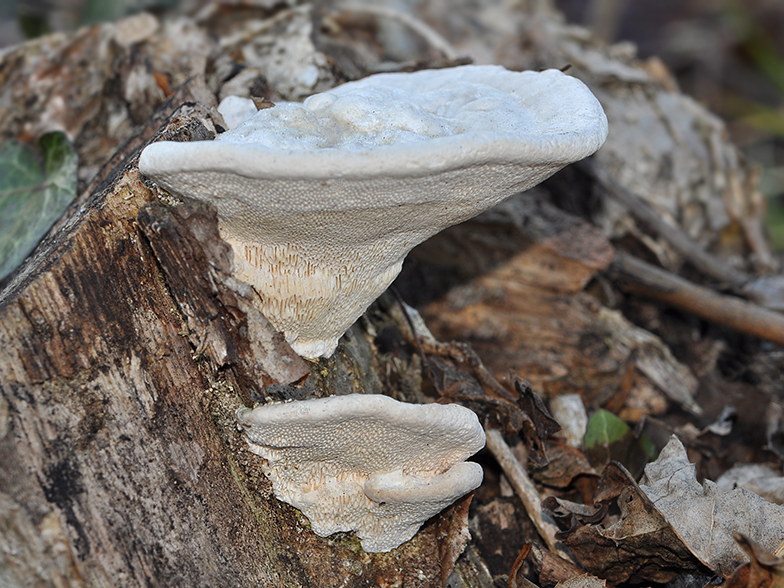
{"x":125,"y":349}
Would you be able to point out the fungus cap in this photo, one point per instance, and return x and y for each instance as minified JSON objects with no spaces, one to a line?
{"x":322,"y":200}
{"x":365,"y":462}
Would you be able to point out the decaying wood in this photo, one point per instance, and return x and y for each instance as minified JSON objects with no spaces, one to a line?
{"x":125,"y":348}
{"x":521,"y":305}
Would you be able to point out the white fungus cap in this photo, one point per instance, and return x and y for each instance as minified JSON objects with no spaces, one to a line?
{"x":236,"y":110}
{"x":365,"y":462}
{"x":322,"y":200}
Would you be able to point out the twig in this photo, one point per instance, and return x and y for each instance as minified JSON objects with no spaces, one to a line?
{"x":683,"y":244}
{"x":525,"y":489}
{"x":429,"y":34}
{"x":416,"y":338}
{"x":648,"y":280}
{"x":254,"y":28}
{"x":464,"y":355}
{"x":518,"y":565}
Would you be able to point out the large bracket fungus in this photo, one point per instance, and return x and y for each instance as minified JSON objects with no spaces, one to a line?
{"x":322,"y":200}
{"x":365,"y":462}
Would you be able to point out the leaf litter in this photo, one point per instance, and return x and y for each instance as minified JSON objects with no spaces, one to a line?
{"x":704,"y":516}
{"x":669,"y":524}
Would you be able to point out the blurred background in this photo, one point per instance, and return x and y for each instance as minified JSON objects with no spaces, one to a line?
{"x":728,"y":54}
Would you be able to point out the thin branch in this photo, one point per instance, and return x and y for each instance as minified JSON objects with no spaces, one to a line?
{"x":525,"y":489}
{"x":428,"y":33}
{"x":680,"y":241}
{"x":654,"y":282}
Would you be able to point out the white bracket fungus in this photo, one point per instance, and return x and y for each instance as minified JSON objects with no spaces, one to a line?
{"x":322,"y":200}
{"x":366,"y":462}
{"x":235,"y":110}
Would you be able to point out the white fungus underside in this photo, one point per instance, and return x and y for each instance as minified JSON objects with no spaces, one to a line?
{"x":322,"y":201}
{"x":366,"y":463}
{"x":333,"y":265}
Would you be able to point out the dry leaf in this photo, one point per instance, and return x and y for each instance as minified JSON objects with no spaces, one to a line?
{"x":551,"y":568}
{"x":539,"y":424}
{"x":764,"y":570}
{"x":565,"y":464}
{"x":571,"y":515}
{"x":453,"y":535}
{"x":759,"y":478}
{"x":704,"y":516}
{"x":639,"y":547}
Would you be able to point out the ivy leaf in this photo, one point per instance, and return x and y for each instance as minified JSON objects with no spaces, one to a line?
{"x":33,"y":194}
{"x":607,"y":438}
{"x":604,"y":428}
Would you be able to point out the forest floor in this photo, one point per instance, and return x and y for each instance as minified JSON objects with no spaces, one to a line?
{"x":637,"y":294}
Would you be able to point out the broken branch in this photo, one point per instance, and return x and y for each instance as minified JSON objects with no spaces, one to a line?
{"x":639,"y":277}
{"x":524,"y":488}
{"x":683,"y":244}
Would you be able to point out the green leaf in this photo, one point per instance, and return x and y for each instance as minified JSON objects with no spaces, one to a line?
{"x":33,"y":194}
{"x":61,"y":167}
{"x":604,"y":428}
{"x":609,"y":438}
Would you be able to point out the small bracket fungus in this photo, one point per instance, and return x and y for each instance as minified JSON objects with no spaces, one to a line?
{"x":366,"y":462}
{"x":322,"y":200}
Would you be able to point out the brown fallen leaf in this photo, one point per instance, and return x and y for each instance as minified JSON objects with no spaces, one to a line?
{"x":640,"y":546}
{"x":565,"y":464}
{"x":704,"y":516}
{"x":551,"y":568}
{"x":764,"y":569}
{"x":453,"y":535}
{"x":759,"y":478}
{"x":539,"y":424}
{"x":571,"y":515}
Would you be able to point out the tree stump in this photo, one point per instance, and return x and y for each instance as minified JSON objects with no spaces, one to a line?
{"x":126,"y":348}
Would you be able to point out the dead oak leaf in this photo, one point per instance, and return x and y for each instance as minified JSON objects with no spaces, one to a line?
{"x":639,"y":547}
{"x":704,"y":516}
{"x":764,"y":569}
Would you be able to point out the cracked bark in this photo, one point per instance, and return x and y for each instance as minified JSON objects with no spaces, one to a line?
{"x":125,"y":348}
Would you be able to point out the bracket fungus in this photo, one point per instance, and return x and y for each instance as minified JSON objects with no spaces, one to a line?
{"x":366,"y":462}
{"x":322,"y":200}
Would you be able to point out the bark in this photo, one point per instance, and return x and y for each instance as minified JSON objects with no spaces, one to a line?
{"x":125,"y":349}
